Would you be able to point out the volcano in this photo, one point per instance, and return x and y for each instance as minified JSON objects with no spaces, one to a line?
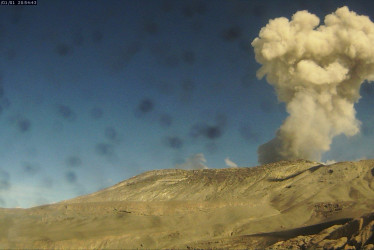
{"x":284,"y":204}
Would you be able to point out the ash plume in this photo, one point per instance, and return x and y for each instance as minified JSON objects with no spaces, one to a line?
{"x":196,"y":161}
{"x":317,"y":71}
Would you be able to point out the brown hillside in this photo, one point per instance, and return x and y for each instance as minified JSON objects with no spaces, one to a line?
{"x":211,"y":208}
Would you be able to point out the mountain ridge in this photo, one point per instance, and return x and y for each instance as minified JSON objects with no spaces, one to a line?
{"x":203,"y":175}
{"x":209,"y":208}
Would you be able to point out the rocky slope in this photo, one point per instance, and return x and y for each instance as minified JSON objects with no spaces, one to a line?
{"x":281,"y":203}
{"x":355,"y":234}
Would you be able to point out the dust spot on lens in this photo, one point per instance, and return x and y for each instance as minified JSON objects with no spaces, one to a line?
{"x":232,"y":33}
{"x":5,"y":103}
{"x":248,"y":133}
{"x":213,"y":132}
{"x":30,"y":168}
{"x":111,"y":133}
{"x":47,"y":182}
{"x":2,"y":92}
{"x":193,"y":8}
{"x":197,"y":130}
{"x":259,"y":10}
{"x":63,"y":49}
{"x":167,"y":5}
{"x":221,"y":120}
{"x":211,"y":147}
{"x":4,"y":180}
{"x":10,"y":54}
{"x":77,"y":37}
{"x":71,"y":177}
{"x":171,"y":61}
{"x":151,"y":27}
{"x":188,"y":57}
{"x":197,"y":26}
{"x":74,"y":161}
{"x":120,"y":57}
{"x":174,"y":142}
{"x":16,"y":15}
{"x":208,"y":131}
{"x":188,"y":11}
{"x":24,"y":125}
{"x":97,"y":36}
{"x":66,"y":112}
{"x":165,"y":88}
{"x":104,"y":149}
{"x":200,"y":7}
{"x":145,"y":106}
{"x":96,"y":113}
{"x":166,"y":120}
{"x":187,"y":88}
{"x":188,"y":85}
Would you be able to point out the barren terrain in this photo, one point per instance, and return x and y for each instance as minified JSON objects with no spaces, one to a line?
{"x":289,"y":203}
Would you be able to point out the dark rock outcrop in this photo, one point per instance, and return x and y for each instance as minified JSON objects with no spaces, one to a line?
{"x":355,"y":234}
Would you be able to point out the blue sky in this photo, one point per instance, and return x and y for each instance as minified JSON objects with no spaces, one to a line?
{"x":95,"y":92}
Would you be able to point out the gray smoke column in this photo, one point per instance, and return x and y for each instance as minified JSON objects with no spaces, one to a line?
{"x":317,"y":72}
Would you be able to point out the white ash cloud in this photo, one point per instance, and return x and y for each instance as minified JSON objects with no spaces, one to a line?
{"x":230,"y":163}
{"x":317,"y":71}
{"x":196,"y":161}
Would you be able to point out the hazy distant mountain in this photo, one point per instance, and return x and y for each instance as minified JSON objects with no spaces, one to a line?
{"x":290,"y":204}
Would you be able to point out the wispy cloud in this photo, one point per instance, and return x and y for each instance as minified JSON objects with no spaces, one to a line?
{"x":196,"y":161}
{"x":230,"y":163}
